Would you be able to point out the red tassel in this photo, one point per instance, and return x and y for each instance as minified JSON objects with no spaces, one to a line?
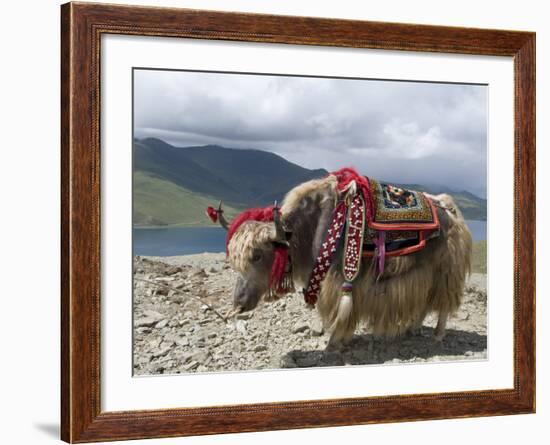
{"x":261,"y":215}
{"x":345,"y":176}
{"x":278,"y":268}
{"x":212,"y":213}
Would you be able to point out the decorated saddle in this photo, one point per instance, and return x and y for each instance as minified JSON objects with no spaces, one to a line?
{"x":405,"y":219}
{"x":372,"y":219}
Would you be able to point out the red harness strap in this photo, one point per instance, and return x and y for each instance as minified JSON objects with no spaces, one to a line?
{"x":328,"y":248}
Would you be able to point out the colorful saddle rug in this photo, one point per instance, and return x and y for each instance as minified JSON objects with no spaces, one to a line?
{"x":400,"y":209}
{"x":408,"y":219}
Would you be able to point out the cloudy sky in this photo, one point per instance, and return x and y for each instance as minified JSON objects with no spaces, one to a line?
{"x":405,"y":132}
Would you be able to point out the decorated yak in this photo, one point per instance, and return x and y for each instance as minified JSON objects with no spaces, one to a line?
{"x":361,"y":250}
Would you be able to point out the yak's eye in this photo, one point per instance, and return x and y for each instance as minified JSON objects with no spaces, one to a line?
{"x":256,"y":256}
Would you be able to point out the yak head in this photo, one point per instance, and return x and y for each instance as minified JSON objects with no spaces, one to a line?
{"x":257,"y":249}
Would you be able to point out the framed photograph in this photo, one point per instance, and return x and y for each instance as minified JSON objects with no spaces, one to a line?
{"x":274,"y":222}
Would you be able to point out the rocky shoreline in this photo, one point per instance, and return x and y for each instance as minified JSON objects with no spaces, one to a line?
{"x":179,"y":304}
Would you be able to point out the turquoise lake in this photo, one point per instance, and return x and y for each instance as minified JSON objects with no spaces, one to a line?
{"x":185,"y":241}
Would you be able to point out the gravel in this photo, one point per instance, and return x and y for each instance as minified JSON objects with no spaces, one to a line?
{"x":175,"y":330}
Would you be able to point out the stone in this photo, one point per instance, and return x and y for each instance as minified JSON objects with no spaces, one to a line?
{"x":162,"y":351}
{"x":244,"y":316}
{"x":143,"y":330}
{"x":171,"y":336}
{"x":240,"y":326}
{"x":300,"y":327}
{"x":143,"y":359}
{"x":161,"y":324}
{"x":201,"y":356}
{"x":190,"y":366}
{"x":154,"y":343}
{"x":153,"y":314}
{"x":182,"y":341}
{"x":199,"y":273}
{"x":145,"y":322}
{"x":316,"y":328}
{"x":161,"y":291}
{"x":260,"y":348}
{"x":173,"y":270}
{"x":167,"y":344}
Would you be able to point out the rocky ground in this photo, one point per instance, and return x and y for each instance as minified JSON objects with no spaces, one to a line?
{"x":177,"y":327}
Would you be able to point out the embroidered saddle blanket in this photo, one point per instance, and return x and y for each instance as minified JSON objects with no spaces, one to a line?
{"x":407,"y":217}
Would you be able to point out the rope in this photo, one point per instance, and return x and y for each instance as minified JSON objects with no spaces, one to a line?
{"x":187,"y":295}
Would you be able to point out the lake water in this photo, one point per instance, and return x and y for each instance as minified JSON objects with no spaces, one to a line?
{"x":178,"y":241}
{"x":478,"y":229}
{"x":185,"y":241}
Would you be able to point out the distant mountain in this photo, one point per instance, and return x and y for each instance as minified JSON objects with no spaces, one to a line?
{"x":174,"y":185}
{"x":239,"y":177}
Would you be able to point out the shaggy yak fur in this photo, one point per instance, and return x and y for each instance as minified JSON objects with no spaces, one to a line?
{"x":411,"y":286}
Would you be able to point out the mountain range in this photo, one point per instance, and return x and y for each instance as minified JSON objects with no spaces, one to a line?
{"x":173,"y":185}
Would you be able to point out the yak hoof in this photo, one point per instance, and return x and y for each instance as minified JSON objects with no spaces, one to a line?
{"x":337,"y":344}
{"x":415,"y":331}
{"x":333,"y":346}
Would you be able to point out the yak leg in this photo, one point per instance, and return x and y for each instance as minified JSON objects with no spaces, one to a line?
{"x":416,"y":327}
{"x":333,"y":344}
{"x":337,"y":342}
{"x":441,"y":323}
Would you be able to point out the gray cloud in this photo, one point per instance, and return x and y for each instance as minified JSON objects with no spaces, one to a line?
{"x":399,"y":131}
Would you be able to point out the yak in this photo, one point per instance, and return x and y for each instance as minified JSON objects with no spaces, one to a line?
{"x":390,"y":302}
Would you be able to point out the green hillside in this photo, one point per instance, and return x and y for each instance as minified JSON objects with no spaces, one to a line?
{"x":158,"y":202}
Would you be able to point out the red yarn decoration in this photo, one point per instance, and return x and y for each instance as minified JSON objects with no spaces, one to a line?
{"x":261,"y":215}
{"x":348,"y":174}
{"x":212,"y":213}
{"x":278,"y":268}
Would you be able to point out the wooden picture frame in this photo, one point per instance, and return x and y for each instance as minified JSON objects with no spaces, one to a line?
{"x":82,"y":26}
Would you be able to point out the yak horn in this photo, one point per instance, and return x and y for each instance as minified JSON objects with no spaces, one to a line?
{"x":280,"y":233}
{"x":221,"y":218}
